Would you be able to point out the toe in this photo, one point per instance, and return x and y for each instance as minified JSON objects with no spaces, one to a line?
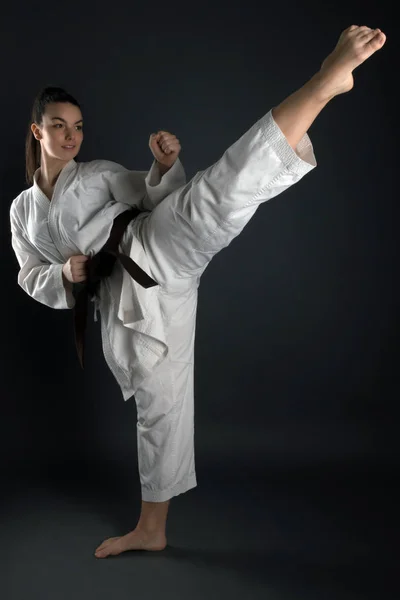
{"x":107,"y":542}
{"x":367,"y":35}
{"x":112,"y":549}
{"x":378,"y":40}
{"x":105,"y":551}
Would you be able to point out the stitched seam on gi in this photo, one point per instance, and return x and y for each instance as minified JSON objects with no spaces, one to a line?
{"x":174,"y":428}
{"x":188,"y":382}
{"x":249,"y":203}
{"x":144,"y":343}
{"x":272,"y":182}
{"x":182,"y":485}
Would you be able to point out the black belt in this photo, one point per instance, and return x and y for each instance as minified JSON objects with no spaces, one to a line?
{"x":101,"y":265}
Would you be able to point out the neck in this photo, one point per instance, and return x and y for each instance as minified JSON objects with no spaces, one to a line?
{"x":50,"y":169}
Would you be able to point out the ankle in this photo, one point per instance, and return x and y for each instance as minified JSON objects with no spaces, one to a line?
{"x":150,"y":527}
{"x":320,"y":89}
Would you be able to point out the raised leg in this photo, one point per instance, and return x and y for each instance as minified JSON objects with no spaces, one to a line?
{"x":189,"y":227}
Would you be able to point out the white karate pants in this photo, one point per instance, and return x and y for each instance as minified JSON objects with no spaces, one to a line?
{"x":180,"y":238}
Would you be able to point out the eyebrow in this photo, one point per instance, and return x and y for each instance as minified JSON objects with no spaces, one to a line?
{"x":60,"y":119}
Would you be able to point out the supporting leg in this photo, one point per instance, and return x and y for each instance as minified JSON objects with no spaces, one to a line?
{"x":165,"y":436}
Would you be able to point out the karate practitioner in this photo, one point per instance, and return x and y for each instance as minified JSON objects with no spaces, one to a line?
{"x":64,"y":219}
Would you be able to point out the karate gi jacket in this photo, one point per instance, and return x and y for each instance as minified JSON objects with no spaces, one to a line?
{"x":86,"y":199}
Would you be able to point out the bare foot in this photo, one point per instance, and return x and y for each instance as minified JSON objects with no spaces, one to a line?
{"x":135,"y":540}
{"x":356,"y":44}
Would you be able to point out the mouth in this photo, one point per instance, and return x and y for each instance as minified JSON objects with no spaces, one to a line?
{"x":68,"y":147}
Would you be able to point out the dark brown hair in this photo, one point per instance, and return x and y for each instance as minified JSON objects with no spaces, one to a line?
{"x":47,"y":95}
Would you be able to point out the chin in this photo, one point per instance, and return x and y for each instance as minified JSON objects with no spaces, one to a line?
{"x":68,"y":154}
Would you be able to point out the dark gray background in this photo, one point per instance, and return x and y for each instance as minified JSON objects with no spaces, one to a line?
{"x":297,"y":329}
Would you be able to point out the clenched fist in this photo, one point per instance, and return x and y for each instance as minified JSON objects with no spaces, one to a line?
{"x":165,"y":148}
{"x":74,"y":269}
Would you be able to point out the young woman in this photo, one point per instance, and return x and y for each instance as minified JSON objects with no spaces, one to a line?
{"x":65,"y":218}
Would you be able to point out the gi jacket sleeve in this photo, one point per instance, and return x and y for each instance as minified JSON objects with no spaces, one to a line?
{"x":40,"y":279}
{"x":144,"y":189}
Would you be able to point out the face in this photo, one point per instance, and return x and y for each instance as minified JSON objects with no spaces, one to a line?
{"x":61,"y":132}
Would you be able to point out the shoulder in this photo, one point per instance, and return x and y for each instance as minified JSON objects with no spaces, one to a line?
{"x":97,"y":167}
{"x":18,"y":205}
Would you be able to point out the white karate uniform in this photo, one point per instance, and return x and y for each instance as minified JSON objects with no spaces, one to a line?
{"x":148,"y":334}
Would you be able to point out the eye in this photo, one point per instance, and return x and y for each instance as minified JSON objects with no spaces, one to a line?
{"x":58,"y":125}
{"x":79,"y":127}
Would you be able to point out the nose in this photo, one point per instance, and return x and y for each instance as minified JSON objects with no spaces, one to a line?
{"x":70,"y":135}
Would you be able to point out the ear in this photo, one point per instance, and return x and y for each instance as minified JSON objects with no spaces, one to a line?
{"x":36,"y":131}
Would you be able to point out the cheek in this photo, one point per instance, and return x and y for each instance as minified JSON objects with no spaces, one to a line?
{"x":50,"y":136}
